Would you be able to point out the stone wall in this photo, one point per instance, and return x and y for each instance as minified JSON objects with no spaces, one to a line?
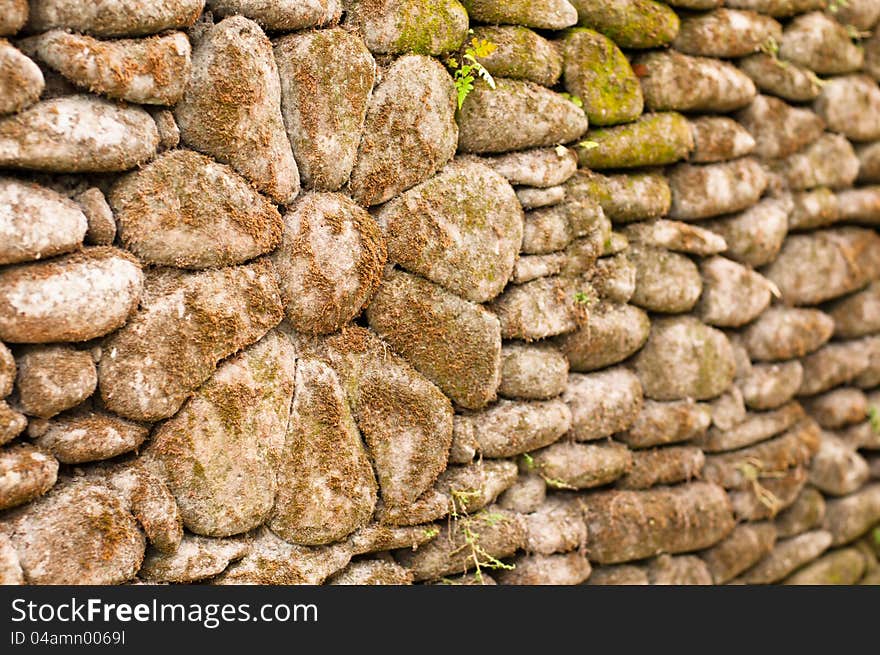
{"x":274,"y":308}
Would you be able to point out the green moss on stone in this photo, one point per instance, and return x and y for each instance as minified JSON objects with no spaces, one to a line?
{"x":652,"y":140}
{"x":630,"y":23}
{"x":599,"y":74}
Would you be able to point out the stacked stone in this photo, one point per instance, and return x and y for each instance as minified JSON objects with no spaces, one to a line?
{"x":279,"y":305}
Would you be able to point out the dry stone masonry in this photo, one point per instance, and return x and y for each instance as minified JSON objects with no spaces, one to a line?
{"x":282,"y":302}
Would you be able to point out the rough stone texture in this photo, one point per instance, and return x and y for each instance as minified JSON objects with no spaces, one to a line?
{"x":323,"y":121}
{"x":25,"y":474}
{"x":231,"y":107}
{"x":786,"y":332}
{"x":21,"y":81}
{"x":660,"y":423}
{"x":329,"y":262}
{"x":725,"y":33}
{"x":283,"y":15}
{"x":755,"y":236}
{"x":602,"y":403}
{"x":540,"y":308}
{"x":150,"y":71}
{"x":678,"y":82}
{"x":322,"y":458}
{"x":821,"y":44}
{"x":520,"y":54}
{"x":839,"y":261}
{"x":804,"y":514}
{"x":409,"y":130}
{"x":744,"y":547}
{"x":461,"y":229}
{"x":651,"y":140}
{"x":859,"y":314}
{"x":228,"y":308}
{"x":77,"y":134}
{"x":54,"y":378}
{"x":453,"y":342}
{"x":710,"y":190}
{"x":677,"y":236}
{"x":540,"y":167}
{"x":666,"y":282}
{"x":628,"y":525}
{"x":513,"y":413}
{"x":614,"y":333}
{"x":74,"y":298}
{"x":509,"y":428}
{"x":684,"y":358}
{"x":515,"y":115}
{"x":598,"y":73}
{"x":851,"y":105}
{"x":219,"y":453}
{"x":14,"y":16}
{"x":787,"y":555}
{"x":114,"y":18}
{"x":733,"y":295}
{"x":553,"y":14}
{"x":779,"y":130}
{"x":110,"y":545}
{"x":401,"y":26}
{"x":630,"y":23}
{"x":532,"y":372}
{"x":717,"y":138}
{"x":184,"y":209}
{"x":405,"y":420}
{"x":36,"y":222}
{"x":781,"y":78}
{"x":829,"y":161}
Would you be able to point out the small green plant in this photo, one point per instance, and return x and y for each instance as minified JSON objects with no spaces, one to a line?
{"x":467,"y":69}
{"x":553,"y":483}
{"x":770,"y":47}
{"x":855,"y":33}
{"x":835,"y":6}
{"x":588,"y":145}
{"x":874,"y":418}
{"x":463,"y":521}
{"x":431,"y":532}
{"x":875,"y":533}
{"x":583,"y":298}
{"x":752,"y":469}
{"x":556,"y":483}
{"x":573,"y":99}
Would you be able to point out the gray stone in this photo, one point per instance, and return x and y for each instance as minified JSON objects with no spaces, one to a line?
{"x":453,"y":342}
{"x":684,"y":358}
{"x":615,"y":332}
{"x":77,"y":134}
{"x":677,"y":82}
{"x":188,"y":322}
{"x":231,"y":109}
{"x":708,"y":190}
{"x":37,"y":222}
{"x":324,"y":130}
{"x":329,"y":263}
{"x":72,"y":298}
{"x":602,"y":403}
{"x":409,"y":131}
{"x":515,"y":115}
{"x":184,"y":209}
{"x":461,"y":229}
{"x":820,"y":43}
{"x":151,"y":71}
